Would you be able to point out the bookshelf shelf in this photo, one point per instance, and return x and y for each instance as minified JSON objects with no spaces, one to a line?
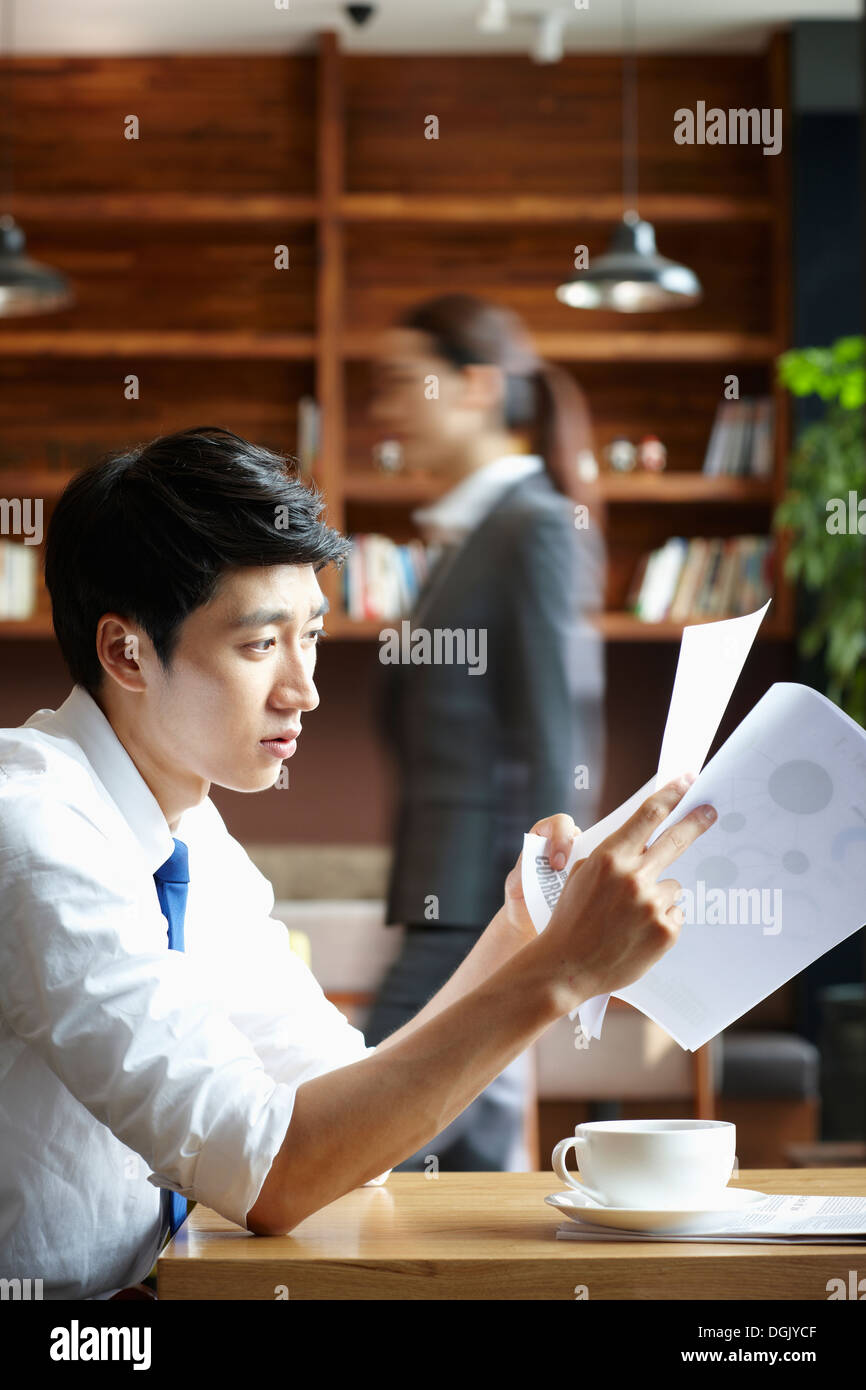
{"x":36,"y":628}
{"x":230,"y":346}
{"x":585,"y":345}
{"x":163,"y":207}
{"x":625,"y":627}
{"x":684,"y":486}
{"x":381,"y":207}
{"x":391,"y":489}
{"x":511,"y":208}
{"x":614,"y":627}
{"x":408,"y":490}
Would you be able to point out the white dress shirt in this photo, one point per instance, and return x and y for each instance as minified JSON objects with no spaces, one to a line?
{"x":463,"y":507}
{"x":126,"y":1068}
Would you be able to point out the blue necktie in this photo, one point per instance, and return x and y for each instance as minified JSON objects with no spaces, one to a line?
{"x":172,"y":884}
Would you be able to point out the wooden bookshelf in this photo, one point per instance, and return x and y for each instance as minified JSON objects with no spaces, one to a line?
{"x":171,"y":252}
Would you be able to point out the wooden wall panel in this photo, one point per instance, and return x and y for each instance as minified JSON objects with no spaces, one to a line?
{"x":207,"y":124}
{"x":201,"y":276}
{"x":66,"y":413}
{"x":509,"y":125}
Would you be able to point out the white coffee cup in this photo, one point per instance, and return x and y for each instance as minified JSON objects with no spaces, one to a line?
{"x":653,"y":1165}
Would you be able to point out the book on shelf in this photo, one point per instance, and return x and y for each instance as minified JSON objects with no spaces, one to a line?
{"x":705,"y":577}
{"x":308,"y":434}
{"x":19,"y":570}
{"x":741,"y":440}
{"x":381,"y":579}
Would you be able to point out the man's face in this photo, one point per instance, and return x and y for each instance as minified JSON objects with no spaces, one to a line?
{"x":242,"y":672}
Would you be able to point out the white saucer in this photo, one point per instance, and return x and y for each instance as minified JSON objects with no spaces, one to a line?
{"x":585,"y":1211}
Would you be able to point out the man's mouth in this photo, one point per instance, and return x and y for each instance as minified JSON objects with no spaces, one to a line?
{"x":284,"y":745}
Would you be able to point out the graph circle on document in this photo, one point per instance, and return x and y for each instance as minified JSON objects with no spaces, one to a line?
{"x":795,"y":861}
{"x":732,"y":821}
{"x":717,"y":871}
{"x":801,"y":786}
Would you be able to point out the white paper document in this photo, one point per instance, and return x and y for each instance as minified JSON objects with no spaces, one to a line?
{"x":712,"y":655}
{"x":778,"y":879}
{"x":710,"y":660}
{"x":786,"y":1219}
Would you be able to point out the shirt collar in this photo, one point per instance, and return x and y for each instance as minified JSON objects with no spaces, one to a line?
{"x":466,"y":505}
{"x":82,"y":719}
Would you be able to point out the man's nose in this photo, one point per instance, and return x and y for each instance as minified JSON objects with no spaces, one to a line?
{"x":297,"y":689}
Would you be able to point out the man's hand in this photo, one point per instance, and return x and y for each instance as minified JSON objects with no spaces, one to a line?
{"x":559,"y":832}
{"x":613,"y":920}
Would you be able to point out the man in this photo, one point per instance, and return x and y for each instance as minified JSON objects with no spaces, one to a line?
{"x":186,"y":604}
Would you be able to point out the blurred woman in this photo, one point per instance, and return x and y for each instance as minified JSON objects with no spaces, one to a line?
{"x":486,"y":747}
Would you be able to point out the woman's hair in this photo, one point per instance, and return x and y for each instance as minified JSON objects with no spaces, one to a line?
{"x":150,"y":533}
{"x":539,"y":397}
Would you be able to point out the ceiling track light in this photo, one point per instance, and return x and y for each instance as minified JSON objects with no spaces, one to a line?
{"x":492,"y":18}
{"x":549,"y":43}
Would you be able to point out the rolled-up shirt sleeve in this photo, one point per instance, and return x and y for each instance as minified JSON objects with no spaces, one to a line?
{"x":129,"y":1027}
{"x":273,"y":996}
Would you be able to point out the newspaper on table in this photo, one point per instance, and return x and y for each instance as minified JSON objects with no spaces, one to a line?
{"x":786,"y":1220}
{"x":779,"y":877}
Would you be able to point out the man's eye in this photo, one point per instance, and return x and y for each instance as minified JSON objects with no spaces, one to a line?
{"x":265,"y":643}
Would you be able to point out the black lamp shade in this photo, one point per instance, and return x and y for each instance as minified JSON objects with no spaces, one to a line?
{"x":26,"y":287}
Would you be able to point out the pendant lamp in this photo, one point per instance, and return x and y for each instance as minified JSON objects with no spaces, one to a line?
{"x":26,"y":287}
{"x":631,"y":277}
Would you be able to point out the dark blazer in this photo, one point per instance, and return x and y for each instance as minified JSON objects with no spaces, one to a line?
{"x":481,"y":757}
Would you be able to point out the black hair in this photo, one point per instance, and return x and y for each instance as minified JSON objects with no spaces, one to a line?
{"x":151,"y":533}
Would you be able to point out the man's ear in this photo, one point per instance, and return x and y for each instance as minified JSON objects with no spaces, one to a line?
{"x":483,"y":386}
{"x":118,"y":646}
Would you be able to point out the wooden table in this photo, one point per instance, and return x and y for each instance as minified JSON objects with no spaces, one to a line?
{"x":490,"y":1236}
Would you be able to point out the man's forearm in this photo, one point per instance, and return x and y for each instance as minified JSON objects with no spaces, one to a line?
{"x":613,"y":921}
{"x":497,"y":944}
{"x":352,"y":1124}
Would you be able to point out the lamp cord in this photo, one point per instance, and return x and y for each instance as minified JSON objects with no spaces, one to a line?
{"x":629,"y":107}
{"x":8,"y":76}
